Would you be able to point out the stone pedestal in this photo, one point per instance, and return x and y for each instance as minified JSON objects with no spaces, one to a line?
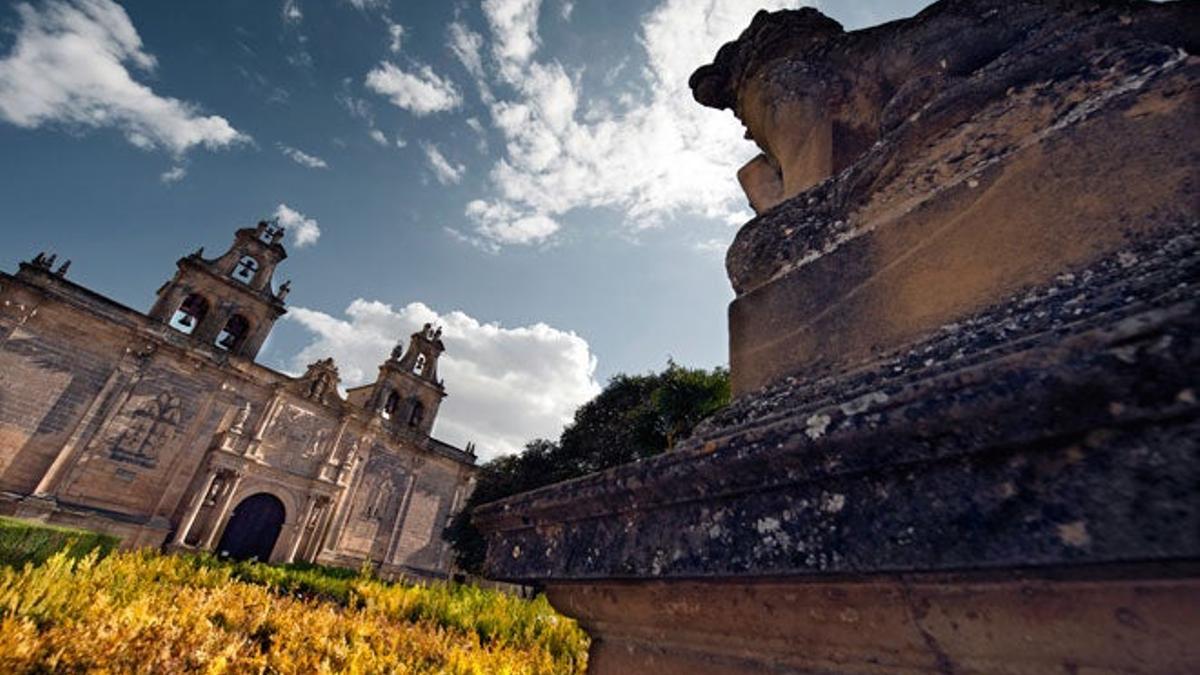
{"x":967,"y":427}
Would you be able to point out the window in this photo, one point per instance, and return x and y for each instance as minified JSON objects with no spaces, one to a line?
{"x":190,"y":313}
{"x":269,"y":231}
{"x":417,"y":415}
{"x":419,"y":364}
{"x":234,"y":333}
{"x":245,"y":269}
{"x":390,"y":405}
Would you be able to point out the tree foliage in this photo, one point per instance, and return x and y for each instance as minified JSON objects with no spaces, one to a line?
{"x":634,"y":417}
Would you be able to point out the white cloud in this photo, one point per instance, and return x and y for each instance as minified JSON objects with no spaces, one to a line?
{"x":400,"y":142}
{"x":421,"y":93}
{"x":357,"y":107}
{"x":501,"y":223}
{"x":467,"y":46}
{"x":506,"y":385}
{"x":68,"y":66}
{"x":476,"y":126}
{"x":651,"y":156}
{"x":302,"y":158}
{"x":173,"y":175}
{"x":304,"y":230}
{"x":514,"y":31}
{"x":395,"y":37}
{"x":379,"y":137}
{"x":291,"y":12}
{"x":444,"y":170}
{"x":566,"y":9}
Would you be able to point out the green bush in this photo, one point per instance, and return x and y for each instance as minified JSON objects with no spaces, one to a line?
{"x":495,"y":618}
{"x":143,"y":612}
{"x":61,"y":583}
{"x":24,"y":542}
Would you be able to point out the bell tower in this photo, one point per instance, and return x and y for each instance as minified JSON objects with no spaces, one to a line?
{"x":228,"y":301}
{"x":407,"y":393}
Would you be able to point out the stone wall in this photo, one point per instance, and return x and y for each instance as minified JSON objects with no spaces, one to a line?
{"x":965,"y":362}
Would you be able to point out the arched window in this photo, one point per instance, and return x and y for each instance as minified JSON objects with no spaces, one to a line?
{"x":234,"y":333}
{"x":245,"y":269}
{"x":390,"y":404}
{"x":419,"y":364}
{"x":417,"y":415}
{"x":191,"y":312}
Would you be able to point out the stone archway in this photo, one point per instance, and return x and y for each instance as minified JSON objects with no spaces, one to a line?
{"x":253,"y":528}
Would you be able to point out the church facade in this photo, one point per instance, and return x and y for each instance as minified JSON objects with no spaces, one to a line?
{"x":161,"y":428}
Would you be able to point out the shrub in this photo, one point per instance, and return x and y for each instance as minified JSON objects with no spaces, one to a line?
{"x":89,"y":609}
{"x":24,"y":542}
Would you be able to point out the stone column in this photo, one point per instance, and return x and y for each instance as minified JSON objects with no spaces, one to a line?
{"x":299,"y":528}
{"x":268,"y":416}
{"x":459,"y":491}
{"x":222,"y":511}
{"x":401,"y":514}
{"x":342,"y":509}
{"x":316,"y":539}
{"x":194,"y":509}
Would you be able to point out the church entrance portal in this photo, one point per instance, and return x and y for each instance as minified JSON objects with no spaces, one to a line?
{"x":253,"y":528}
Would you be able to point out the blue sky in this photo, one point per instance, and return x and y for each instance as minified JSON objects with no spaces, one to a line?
{"x":533,"y":175}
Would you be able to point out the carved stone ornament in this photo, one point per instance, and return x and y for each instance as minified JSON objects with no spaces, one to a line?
{"x":147,"y":430}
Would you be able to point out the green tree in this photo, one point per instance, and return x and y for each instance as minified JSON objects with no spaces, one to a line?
{"x":634,"y":417}
{"x":685,"y":396}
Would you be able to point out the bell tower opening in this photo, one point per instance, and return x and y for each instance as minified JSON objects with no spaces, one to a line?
{"x":191,"y":312}
{"x":245,"y":269}
{"x":233,"y":335}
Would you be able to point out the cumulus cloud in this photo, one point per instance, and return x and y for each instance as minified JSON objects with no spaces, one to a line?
{"x":68,"y":66}
{"x":304,"y":230}
{"x":421,"y":92}
{"x":514,"y":33}
{"x":302,"y":158}
{"x":650,"y":152}
{"x":501,"y":223}
{"x":444,"y":170}
{"x":506,"y":385}
{"x":379,"y":137}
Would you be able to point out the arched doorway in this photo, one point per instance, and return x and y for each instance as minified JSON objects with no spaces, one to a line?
{"x":253,"y":528}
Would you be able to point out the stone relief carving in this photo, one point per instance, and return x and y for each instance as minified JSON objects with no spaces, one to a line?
{"x":239,"y":422}
{"x":313,"y":449}
{"x":380,"y":500}
{"x":150,"y":427}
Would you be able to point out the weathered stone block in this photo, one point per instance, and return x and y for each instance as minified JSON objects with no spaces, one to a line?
{"x":964,"y":348}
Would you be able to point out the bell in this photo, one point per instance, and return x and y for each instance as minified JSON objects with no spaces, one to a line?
{"x":186,"y":320}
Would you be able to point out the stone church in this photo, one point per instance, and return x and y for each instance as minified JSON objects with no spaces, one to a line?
{"x":161,"y":429}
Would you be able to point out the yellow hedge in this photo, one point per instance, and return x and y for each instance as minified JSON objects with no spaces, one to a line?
{"x":149,"y":613}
